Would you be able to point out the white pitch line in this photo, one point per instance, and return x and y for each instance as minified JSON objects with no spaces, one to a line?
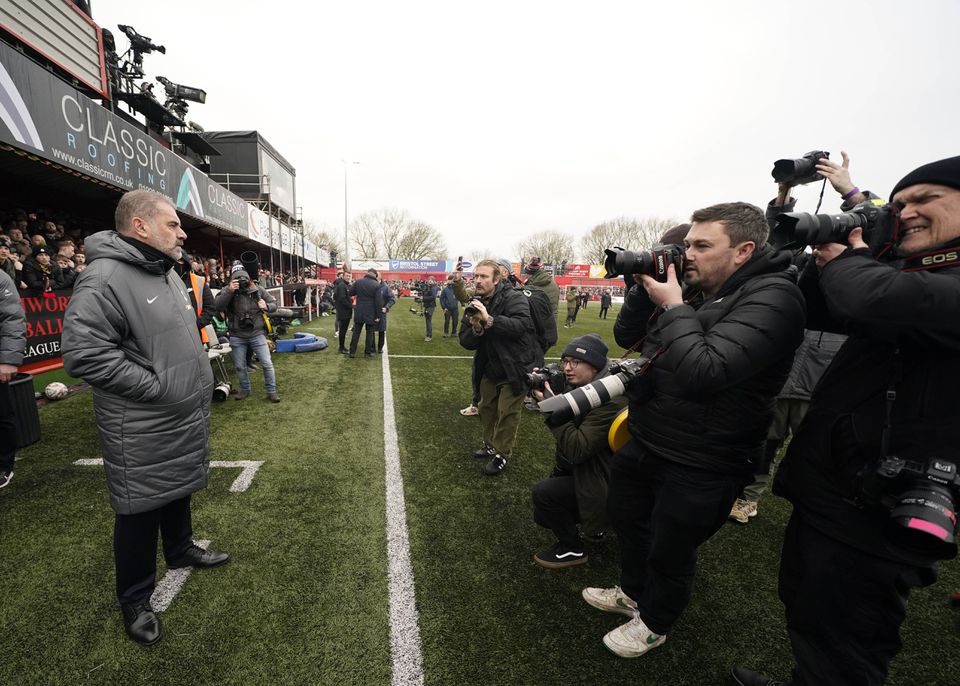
{"x":435,"y":357}
{"x":240,"y":484}
{"x":171,"y":583}
{"x":405,"y":651}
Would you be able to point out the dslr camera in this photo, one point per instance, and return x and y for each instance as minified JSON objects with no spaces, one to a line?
{"x":880,"y":223}
{"x":581,"y":400}
{"x":551,"y":373}
{"x":800,"y":171}
{"x":653,"y":262}
{"x":245,"y":321}
{"x":921,"y":498}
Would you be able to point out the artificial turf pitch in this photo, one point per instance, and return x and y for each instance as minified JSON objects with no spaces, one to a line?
{"x":304,"y":599}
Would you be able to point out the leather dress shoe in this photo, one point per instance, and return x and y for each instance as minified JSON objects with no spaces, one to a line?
{"x":142,"y":625}
{"x":198,"y":557}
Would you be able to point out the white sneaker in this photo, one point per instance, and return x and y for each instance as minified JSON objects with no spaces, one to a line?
{"x":743,"y":510}
{"x":470,"y":411}
{"x":632,"y":639}
{"x":610,"y":600}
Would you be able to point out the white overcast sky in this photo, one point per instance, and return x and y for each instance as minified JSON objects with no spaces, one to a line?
{"x":495,"y":120}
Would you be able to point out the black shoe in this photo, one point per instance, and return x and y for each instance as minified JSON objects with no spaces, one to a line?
{"x":273,"y":397}
{"x":352,"y":355}
{"x":142,"y":625}
{"x":198,"y":557}
{"x":496,"y":465}
{"x":560,"y":556}
{"x":6,"y":476}
{"x":343,"y":351}
{"x":746,"y":677}
{"x":485,"y":453}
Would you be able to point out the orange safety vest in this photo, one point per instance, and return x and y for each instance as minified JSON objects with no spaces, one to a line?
{"x":197,"y":282}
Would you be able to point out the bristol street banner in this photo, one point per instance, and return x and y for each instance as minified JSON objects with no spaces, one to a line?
{"x":44,"y":116}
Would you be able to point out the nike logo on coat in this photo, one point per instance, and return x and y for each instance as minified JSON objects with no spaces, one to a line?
{"x":150,"y":300}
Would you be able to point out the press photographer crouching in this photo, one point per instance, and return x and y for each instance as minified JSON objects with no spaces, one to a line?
{"x":717,"y":353}
{"x":872,"y":471}
{"x":245,"y":303}
{"x":576,"y":491}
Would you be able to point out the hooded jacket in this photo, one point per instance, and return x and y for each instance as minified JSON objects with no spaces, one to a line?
{"x":13,"y":323}
{"x":542,"y":280}
{"x":130,"y":331}
{"x":708,"y":399}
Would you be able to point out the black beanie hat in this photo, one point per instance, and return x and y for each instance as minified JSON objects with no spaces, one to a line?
{"x":942,"y":173}
{"x":590,"y":348}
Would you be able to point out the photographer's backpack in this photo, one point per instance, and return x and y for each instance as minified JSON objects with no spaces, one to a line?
{"x":542,"y":314}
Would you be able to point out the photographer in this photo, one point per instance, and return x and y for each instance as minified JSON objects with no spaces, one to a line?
{"x":497,"y":325}
{"x":719,"y":352}
{"x":847,"y":564}
{"x":428,"y":297}
{"x":576,"y":491}
{"x":245,"y":303}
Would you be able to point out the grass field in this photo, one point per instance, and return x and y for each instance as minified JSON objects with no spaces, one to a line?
{"x":305,"y":597}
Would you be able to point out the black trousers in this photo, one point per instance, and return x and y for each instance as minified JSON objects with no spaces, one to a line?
{"x":662,"y":512}
{"x":342,"y":326}
{"x":451,"y":317}
{"x":555,"y":508}
{"x":8,"y":438}
{"x":381,"y":340}
{"x":428,"y":319}
{"x":135,"y":546}
{"x":844,"y":607}
{"x":358,"y":326}
{"x":603,"y":312}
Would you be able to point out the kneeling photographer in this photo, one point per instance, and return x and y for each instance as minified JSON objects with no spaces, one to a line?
{"x":246,"y":303}
{"x":576,"y":491}
{"x":872,"y":471}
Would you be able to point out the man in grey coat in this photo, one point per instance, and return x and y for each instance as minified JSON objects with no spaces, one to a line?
{"x":130,"y":331}
{"x":13,"y":341}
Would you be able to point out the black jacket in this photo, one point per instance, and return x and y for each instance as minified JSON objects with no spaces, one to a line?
{"x":341,"y":299}
{"x":708,"y":399}
{"x":883,"y":309}
{"x":37,"y":279}
{"x":369,"y":300}
{"x":244,"y":316}
{"x":508,"y":349}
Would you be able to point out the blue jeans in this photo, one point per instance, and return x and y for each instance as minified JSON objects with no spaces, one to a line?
{"x":258,"y":344}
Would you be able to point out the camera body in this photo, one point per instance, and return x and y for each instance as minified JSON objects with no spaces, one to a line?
{"x":551,"y":373}
{"x":653,"y":262}
{"x":921,"y":498}
{"x":880,"y":223}
{"x":799,"y":171}
{"x":582,"y":399}
{"x":245,"y":321}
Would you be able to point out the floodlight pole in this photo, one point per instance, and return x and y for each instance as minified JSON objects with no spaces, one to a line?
{"x":346,"y":229}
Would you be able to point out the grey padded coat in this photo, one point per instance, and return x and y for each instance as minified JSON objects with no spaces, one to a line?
{"x":131,"y":333}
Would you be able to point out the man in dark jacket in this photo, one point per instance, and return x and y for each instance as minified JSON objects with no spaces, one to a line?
{"x":605,"y":301}
{"x":40,"y":272}
{"x":451,"y":309}
{"x":498,"y":327}
{"x":891,"y":391}
{"x":718,"y":353}
{"x":13,"y":341}
{"x":429,"y":299}
{"x":367,"y":312}
{"x":130,"y":332}
{"x":246,"y":303}
{"x":576,"y":491}
{"x":387,"y":301}
{"x":201,"y":297}
{"x":542,"y":279}
{"x":343,"y":304}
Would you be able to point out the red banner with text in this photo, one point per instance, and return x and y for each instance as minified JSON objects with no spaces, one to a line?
{"x":44,"y":327}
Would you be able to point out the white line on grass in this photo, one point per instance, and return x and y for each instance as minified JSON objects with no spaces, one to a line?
{"x":240,"y":484}
{"x":171,"y":583}
{"x":407,"y":661}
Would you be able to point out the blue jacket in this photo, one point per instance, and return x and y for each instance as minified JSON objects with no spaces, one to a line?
{"x":386,"y":301}
{"x":448,"y":300}
{"x":369,"y":300}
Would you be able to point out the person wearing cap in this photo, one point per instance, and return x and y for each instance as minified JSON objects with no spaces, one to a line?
{"x":40,"y":272}
{"x":542,"y":279}
{"x":575,"y":493}
{"x":848,"y":564}
{"x":718,"y":348}
{"x":246,"y":304}
{"x":367,"y":313}
{"x":129,"y":331}
{"x":498,"y":327}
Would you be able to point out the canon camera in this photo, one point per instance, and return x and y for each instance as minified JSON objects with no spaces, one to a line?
{"x":654,"y":262}
{"x":880,"y":223}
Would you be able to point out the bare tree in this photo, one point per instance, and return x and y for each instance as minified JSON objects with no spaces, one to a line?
{"x":627,"y":232}
{"x":392,"y":234}
{"x":552,"y":246}
{"x":324,"y":238}
{"x":421,"y":241}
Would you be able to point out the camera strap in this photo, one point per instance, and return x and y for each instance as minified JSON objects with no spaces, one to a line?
{"x":935,"y":259}
{"x":897,"y":367}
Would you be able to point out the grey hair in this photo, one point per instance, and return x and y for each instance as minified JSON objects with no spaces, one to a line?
{"x":141,"y":203}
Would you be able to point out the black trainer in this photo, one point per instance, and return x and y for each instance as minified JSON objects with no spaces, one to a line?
{"x":496,"y":465}
{"x":746,"y":677}
{"x":485,"y":453}
{"x":559,"y":556}
{"x":195,"y":556}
